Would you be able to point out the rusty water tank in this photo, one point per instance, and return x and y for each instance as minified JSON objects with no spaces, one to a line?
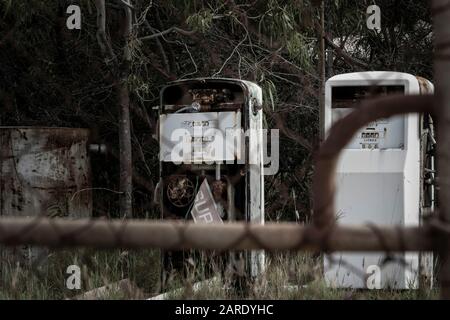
{"x":44,"y":172}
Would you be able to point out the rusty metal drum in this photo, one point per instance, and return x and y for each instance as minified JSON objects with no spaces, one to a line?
{"x":45,"y":172}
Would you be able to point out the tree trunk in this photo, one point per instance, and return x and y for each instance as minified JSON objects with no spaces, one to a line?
{"x":126,"y":159}
{"x":441,"y":16}
{"x":322,"y":75}
{"x":120,"y":72}
{"x":126,"y":166}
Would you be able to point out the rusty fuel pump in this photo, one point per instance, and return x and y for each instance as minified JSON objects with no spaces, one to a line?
{"x":211,"y":163}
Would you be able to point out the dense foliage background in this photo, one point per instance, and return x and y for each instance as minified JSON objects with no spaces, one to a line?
{"x":52,"y":76}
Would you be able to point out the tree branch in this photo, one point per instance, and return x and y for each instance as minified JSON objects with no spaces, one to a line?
{"x":344,"y":55}
{"x":172,"y":29}
{"x":126,"y":4}
{"x":103,"y":42}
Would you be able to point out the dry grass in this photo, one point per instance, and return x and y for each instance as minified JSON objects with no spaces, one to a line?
{"x":98,"y":268}
{"x":288,"y":276}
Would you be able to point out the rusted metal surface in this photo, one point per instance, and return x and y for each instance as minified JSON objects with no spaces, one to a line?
{"x":250,"y":91}
{"x":426,"y":87}
{"x":215,"y":114}
{"x":44,"y":172}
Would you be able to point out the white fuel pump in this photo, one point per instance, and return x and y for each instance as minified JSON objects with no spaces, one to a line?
{"x":379,"y":179}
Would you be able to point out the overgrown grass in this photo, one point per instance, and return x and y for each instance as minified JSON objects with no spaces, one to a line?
{"x":287,"y":276}
{"x":98,"y":268}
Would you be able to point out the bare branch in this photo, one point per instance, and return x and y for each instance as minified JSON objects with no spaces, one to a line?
{"x":344,"y":55}
{"x":160,"y":47}
{"x":104,"y":43}
{"x":128,"y":22}
{"x":126,"y":4}
{"x":162,"y":33}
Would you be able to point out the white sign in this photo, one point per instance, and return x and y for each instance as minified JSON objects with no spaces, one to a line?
{"x":199,"y":137}
{"x":204,"y":209}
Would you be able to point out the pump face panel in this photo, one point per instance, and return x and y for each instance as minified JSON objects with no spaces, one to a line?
{"x":378,"y":177}
{"x":210,"y":171}
{"x":380,"y":134}
{"x":211,"y":138}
